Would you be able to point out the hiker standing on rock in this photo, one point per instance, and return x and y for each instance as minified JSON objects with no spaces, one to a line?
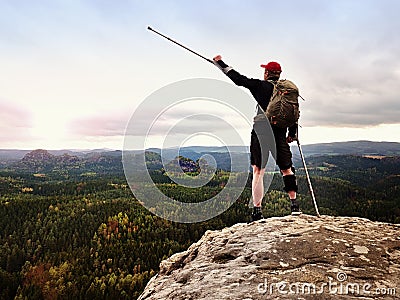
{"x":263,"y":91}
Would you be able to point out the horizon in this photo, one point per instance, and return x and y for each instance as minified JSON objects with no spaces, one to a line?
{"x":74,"y":73}
{"x":189,"y":146}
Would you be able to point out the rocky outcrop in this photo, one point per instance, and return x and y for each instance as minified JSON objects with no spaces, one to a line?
{"x":288,"y":257}
{"x":42,"y":161}
{"x":38,"y":155}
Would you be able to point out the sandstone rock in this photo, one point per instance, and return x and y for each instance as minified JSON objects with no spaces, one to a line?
{"x":302,"y":257}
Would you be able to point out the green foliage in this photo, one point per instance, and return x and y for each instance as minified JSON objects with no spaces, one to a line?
{"x":87,"y":237}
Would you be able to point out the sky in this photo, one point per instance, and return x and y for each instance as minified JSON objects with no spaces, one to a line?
{"x":73,"y":73}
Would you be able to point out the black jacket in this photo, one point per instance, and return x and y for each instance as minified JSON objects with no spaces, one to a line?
{"x":260,"y":89}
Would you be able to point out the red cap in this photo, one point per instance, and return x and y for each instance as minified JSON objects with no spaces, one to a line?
{"x":272,"y":66}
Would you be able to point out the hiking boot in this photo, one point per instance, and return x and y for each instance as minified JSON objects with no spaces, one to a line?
{"x":294,"y":207}
{"x":257,"y":214}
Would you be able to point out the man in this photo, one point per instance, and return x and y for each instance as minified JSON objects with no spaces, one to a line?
{"x":262,"y":91}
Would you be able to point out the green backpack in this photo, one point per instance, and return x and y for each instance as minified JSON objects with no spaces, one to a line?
{"x":283,"y":108}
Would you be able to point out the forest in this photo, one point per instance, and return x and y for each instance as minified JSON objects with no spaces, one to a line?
{"x":83,"y":235}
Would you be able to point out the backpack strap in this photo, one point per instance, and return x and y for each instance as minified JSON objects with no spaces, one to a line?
{"x":275,"y":83}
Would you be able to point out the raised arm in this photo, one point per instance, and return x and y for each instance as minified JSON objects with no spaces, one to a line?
{"x":235,"y":76}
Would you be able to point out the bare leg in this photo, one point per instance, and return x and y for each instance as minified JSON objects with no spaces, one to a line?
{"x":257,"y":185}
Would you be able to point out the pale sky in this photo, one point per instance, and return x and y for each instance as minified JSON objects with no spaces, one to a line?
{"x":72,"y":73}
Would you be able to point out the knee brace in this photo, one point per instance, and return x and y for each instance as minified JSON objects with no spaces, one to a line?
{"x":290,"y":183}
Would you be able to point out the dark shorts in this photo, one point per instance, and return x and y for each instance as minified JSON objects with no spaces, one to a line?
{"x":260,"y":147}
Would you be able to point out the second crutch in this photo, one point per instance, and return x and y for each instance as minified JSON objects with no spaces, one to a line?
{"x":308,"y":179}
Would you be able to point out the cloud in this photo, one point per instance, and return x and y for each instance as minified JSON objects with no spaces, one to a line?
{"x":350,"y":70}
{"x":15,"y":123}
{"x":356,"y":94}
{"x":180,"y":121}
{"x":100,"y":125}
{"x":343,"y":55}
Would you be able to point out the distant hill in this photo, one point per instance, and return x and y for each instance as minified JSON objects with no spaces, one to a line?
{"x":360,"y":148}
{"x":353,"y":148}
{"x":12,"y":154}
{"x":7,"y":155}
{"x":43,"y":162}
{"x":110,"y":161}
{"x":194,"y":152}
{"x":337,"y":148}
